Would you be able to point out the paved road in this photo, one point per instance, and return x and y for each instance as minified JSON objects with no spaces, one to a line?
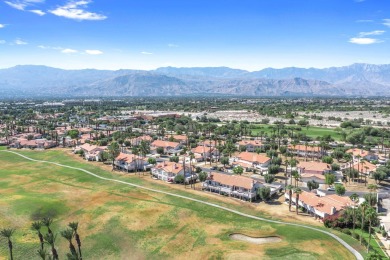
{"x":342,"y":242}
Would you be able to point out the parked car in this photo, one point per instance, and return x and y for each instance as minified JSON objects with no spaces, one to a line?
{"x":331,"y":188}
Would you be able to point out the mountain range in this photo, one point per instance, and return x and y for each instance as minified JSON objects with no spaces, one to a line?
{"x":356,"y":80}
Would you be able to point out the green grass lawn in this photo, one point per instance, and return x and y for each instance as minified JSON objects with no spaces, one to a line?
{"x":373,"y":243}
{"x":311,"y":131}
{"x":121,"y":222}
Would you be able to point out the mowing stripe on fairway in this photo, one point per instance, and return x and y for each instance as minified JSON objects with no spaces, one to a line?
{"x":342,"y":242}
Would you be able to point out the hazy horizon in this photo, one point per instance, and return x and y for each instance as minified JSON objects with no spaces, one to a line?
{"x":250,"y":35}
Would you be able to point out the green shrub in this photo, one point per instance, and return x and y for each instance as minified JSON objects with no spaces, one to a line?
{"x":338,"y":229}
{"x":384,"y":233}
{"x":364,"y":242}
{"x":356,"y":236}
{"x":347,"y":231}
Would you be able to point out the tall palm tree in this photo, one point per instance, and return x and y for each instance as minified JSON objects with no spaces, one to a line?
{"x":354,"y":197}
{"x":297,"y":191}
{"x":371,"y":215}
{"x":74,"y":226}
{"x":286,"y":162}
{"x":363,"y":208}
{"x":7,"y":233}
{"x":47,"y":222}
{"x":68,"y":235}
{"x":37,"y":227}
{"x":51,"y":239}
{"x":296,"y":177}
{"x":290,"y":189}
{"x":113,"y":150}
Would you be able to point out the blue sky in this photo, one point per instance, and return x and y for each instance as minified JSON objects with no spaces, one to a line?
{"x":146,"y":34}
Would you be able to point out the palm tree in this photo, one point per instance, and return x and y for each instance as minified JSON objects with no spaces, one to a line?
{"x":363,"y":208}
{"x":286,"y":162}
{"x":68,"y":235}
{"x":47,"y":222}
{"x":74,"y":226}
{"x":371,"y":215}
{"x":37,"y":227}
{"x":290,"y":189}
{"x":297,"y":191}
{"x":7,"y":233}
{"x":51,"y":239}
{"x":296,"y":176}
{"x":354,"y":197}
{"x":113,"y":150}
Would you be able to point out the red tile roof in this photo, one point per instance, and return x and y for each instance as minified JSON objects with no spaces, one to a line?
{"x":324,"y":204}
{"x":253,"y":157}
{"x":160,"y":143}
{"x":232,"y":180}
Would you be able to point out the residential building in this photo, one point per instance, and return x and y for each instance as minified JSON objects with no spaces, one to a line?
{"x":203,"y":153}
{"x":32,"y":144}
{"x":307,"y":151}
{"x":137,"y":140}
{"x":359,"y":154}
{"x":130,"y":162}
{"x":167,"y":171}
{"x":320,"y":207}
{"x":235,"y":186}
{"x":169,"y":147}
{"x":364,"y":167}
{"x":250,"y":145}
{"x":252,"y":161}
{"x":91,"y":152}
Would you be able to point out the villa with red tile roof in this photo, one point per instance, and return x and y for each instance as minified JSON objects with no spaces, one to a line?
{"x":358,"y":154}
{"x":364,"y":167}
{"x":32,"y":144}
{"x":310,"y":171}
{"x":250,"y":145}
{"x":235,"y":185}
{"x":177,"y":138}
{"x":91,"y":152}
{"x":169,"y":147}
{"x":203,"y":153}
{"x":320,"y":207}
{"x":137,"y":140}
{"x":130,"y":162}
{"x":252,"y":160}
{"x":167,"y":171}
{"x":306,"y":150}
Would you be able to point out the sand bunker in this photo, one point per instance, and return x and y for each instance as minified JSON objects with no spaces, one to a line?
{"x":255,"y":240}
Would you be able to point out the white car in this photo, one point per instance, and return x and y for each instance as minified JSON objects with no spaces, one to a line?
{"x":330,"y":188}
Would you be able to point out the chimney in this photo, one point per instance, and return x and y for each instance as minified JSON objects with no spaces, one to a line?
{"x":332,"y":210}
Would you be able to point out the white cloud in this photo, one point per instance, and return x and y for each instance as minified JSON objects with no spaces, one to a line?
{"x":377,"y":32}
{"x":146,"y":53}
{"x":386,"y":22}
{"x":93,"y":52}
{"x":20,"y":42}
{"x":364,"y":40}
{"x":49,"y":47}
{"x":364,"y":21}
{"x":38,"y":12}
{"x":22,"y":4}
{"x":2,"y":42}
{"x":74,"y":10}
{"x":171,"y":45}
{"x":17,"y":5}
{"x":69,"y":51}
{"x":2,"y":25}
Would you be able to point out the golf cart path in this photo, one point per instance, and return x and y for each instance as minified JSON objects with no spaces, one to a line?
{"x":342,"y":242}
